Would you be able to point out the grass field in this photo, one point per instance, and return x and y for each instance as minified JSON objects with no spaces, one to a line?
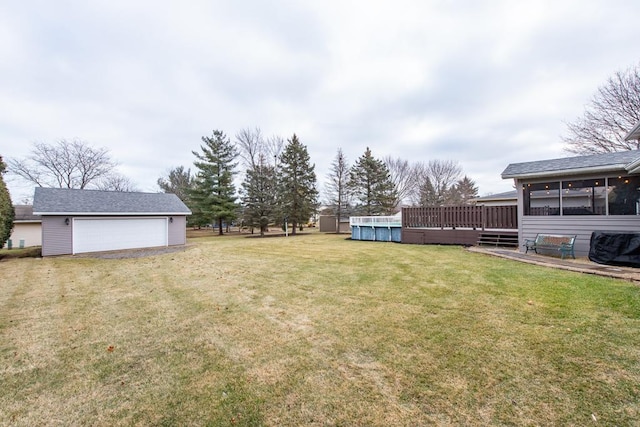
{"x":314,"y":330}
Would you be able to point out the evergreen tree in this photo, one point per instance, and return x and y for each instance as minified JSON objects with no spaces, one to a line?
{"x":371,"y":185}
{"x":180,"y":182}
{"x":297,"y":193}
{"x":466,"y":190}
{"x":427,"y":194}
{"x":7,"y":213}
{"x":259,"y":195}
{"x":436,"y":183}
{"x":337,"y":187}
{"x":214,"y":193}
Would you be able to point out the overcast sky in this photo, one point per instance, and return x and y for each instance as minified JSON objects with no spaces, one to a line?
{"x":484,"y":83}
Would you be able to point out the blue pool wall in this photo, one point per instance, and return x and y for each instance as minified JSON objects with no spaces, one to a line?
{"x":377,"y":233}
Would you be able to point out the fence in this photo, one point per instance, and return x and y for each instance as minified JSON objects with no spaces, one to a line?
{"x":472,"y":217}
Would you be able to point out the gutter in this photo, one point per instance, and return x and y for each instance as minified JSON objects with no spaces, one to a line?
{"x":571,"y":172}
{"x":112,"y":213}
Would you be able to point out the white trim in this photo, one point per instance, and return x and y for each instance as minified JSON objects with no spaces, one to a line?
{"x":567,"y":172}
{"x":123,"y":214}
{"x":630,"y":135}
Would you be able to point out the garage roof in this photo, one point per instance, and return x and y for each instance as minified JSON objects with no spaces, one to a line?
{"x":64,"y":201}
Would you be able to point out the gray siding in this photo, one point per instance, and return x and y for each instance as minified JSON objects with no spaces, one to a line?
{"x":56,"y":235}
{"x":177,"y":231}
{"x":581,"y":226}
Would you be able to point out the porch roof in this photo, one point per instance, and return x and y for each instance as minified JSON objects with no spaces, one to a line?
{"x":622,"y":161}
{"x":634,"y":133}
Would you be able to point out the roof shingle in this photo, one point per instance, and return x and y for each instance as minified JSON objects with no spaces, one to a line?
{"x":72,"y":201}
{"x":573,"y":165}
{"x":24,"y":213}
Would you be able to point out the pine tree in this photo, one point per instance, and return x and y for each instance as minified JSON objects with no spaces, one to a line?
{"x":214,"y":193}
{"x":7,"y":213}
{"x":371,"y":185}
{"x":466,"y":190}
{"x":259,"y":195}
{"x":428,"y":195}
{"x":179,"y":182}
{"x":337,"y":187}
{"x":297,"y":193}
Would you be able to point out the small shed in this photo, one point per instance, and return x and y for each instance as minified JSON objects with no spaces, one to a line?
{"x":78,"y":221}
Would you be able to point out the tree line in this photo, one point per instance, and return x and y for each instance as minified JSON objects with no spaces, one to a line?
{"x":278,"y":186}
{"x":279,"y":183}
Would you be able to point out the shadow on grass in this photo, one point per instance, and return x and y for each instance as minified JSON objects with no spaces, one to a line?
{"x":33,"y":252}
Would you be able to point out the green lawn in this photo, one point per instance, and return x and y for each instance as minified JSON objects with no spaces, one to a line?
{"x":314,"y":330}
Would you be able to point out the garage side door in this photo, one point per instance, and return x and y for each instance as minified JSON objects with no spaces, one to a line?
{"x":108,"y":234}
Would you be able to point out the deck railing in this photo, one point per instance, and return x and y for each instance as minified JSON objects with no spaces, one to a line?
{"x":375,"y":220}
{"x":474,"y":217}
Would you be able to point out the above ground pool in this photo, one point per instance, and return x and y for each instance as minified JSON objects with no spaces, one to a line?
{"x":376,"y":228}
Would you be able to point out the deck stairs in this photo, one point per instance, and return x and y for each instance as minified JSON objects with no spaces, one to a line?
{"x":505,"y":239}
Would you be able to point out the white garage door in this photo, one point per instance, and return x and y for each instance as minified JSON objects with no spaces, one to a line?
{"x":108,"y":234}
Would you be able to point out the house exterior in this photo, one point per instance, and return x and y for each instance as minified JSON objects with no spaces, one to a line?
{"x":27,"y":228}
{"x":578,"y":195}
{"x":508,"y":198}
{"x":78,"y":221}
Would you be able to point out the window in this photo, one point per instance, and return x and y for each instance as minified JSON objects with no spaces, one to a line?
{"x":620,"y":195}
{"x":584,"y":197}
{"x":542,"y":199}
{"x":624,"y":195}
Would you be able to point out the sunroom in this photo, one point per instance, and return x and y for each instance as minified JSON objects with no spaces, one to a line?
{"x":578,"y":195}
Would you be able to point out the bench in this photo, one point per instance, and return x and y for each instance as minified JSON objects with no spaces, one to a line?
{"x":555,"y":242}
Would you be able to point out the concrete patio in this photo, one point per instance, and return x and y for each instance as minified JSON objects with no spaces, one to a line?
{"x":580,"y":265}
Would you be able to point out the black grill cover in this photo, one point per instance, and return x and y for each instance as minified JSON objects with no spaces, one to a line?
{"x":615,"y":248}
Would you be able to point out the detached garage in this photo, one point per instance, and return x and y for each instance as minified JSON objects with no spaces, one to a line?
{"x":79,"y":221}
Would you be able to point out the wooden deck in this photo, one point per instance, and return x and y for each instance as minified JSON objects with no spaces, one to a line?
{"x":495,"y":226}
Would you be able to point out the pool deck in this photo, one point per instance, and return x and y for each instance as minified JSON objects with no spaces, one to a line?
{"x":580,"y":265}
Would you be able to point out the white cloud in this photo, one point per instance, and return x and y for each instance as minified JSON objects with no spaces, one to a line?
{"x":484,"y":83}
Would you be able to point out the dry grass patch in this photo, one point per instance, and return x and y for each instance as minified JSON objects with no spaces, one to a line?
{"x":314,"y":330}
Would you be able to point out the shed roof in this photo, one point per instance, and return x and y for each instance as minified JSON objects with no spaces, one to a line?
{"x":24,"y":213}
{"x":64,"y":201}
{"x":621,"y":161}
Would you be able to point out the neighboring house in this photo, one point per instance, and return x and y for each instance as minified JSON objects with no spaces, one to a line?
{"x":27,"y":229}
{"x":77,"y":221}
{"x":508,"y":198}
{"x":578,"y":195}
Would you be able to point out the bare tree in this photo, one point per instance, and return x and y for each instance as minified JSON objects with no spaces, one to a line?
{"x":337,"y":185}
{"x":251,"y":146}
{"x":274,"y":147}
{"x":65,"y":164}
{"x":403,"y":176}
{"x":116,"y":182}
{"x":435,"y":181}
{"x":609,"y":116}
{"x":256,"y":151}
